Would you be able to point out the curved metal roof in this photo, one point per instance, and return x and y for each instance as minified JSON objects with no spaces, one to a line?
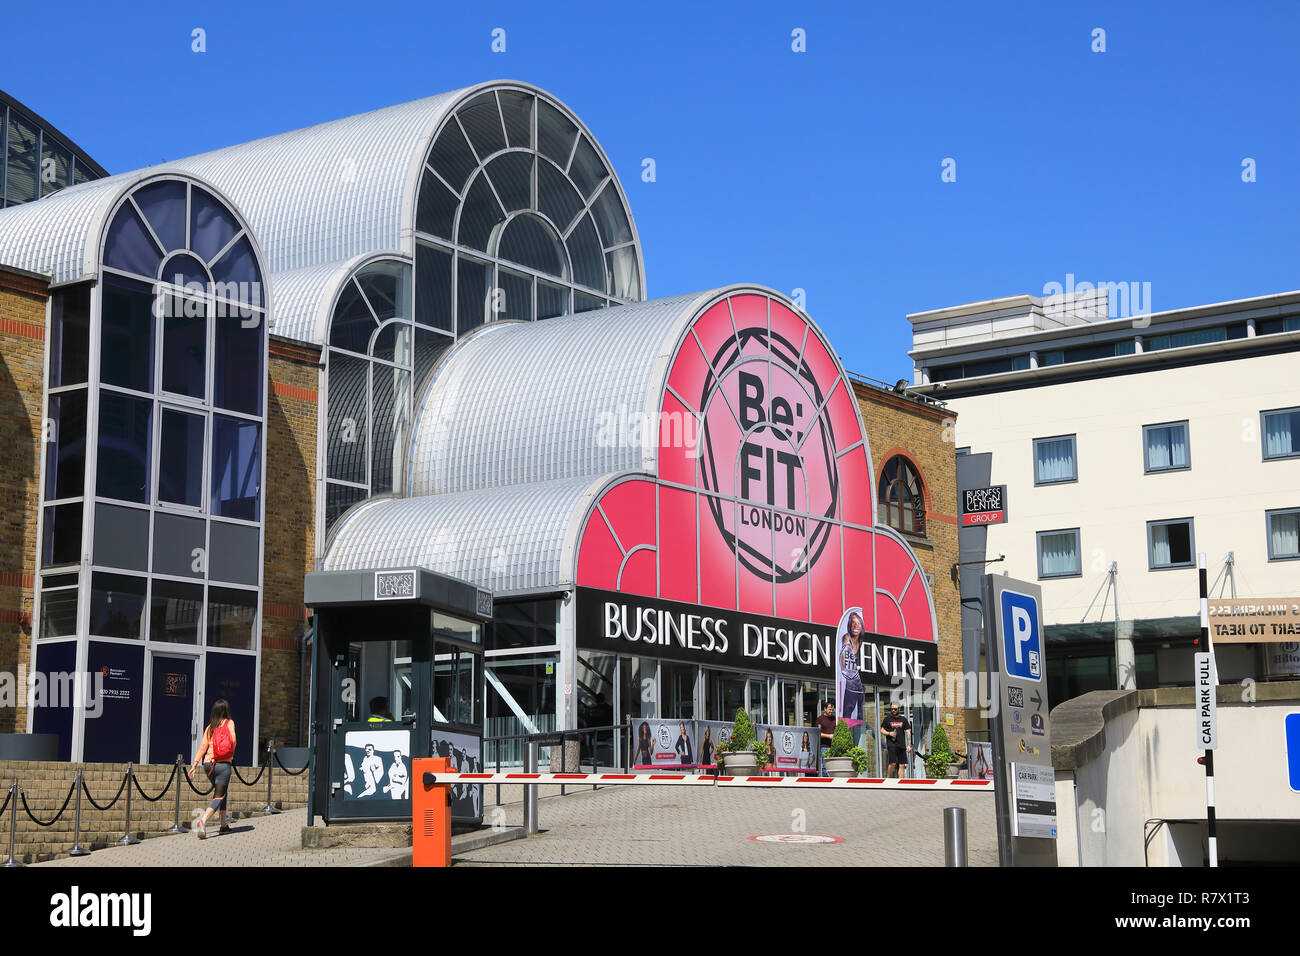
{"x":536,"y":401}
{"x":59,"y":235}
{"x":304,"y":298}
{"x":510,"y":540}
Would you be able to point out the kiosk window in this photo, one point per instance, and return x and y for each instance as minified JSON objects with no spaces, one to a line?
{"x":454,"y":679}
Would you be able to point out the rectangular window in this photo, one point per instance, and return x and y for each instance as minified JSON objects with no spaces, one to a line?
{"x":180,"y":461}
{"x":70,"y":337}
{"x":65,"y":448}
{"x":185,"y":348}
{"x":1054,"y":460}
{"x":239,"y":349}
{"x":1280,"y":430}
{"x":61,"y":535}
{"x":58,"y":606}
{"x":1283,"y":534}
{"x":1165,"y":447}
{"x":1171,"y":544}
{"x":231,"y":615}
{"x":126,"y":334}
{"x":236,"y":468}
{"x":454,"y":681}
{"x":117,"y":606}
{"x":1058,"y":554}
{"x":125,"y":438}
{"x":175,"y":609}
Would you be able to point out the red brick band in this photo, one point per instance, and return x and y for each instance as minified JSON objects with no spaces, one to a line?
{"x":13,"y":579}
{"x":25,"y":329}
{"x":293,"y":391}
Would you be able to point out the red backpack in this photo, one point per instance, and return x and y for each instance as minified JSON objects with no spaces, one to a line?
{"x":223,"y":744}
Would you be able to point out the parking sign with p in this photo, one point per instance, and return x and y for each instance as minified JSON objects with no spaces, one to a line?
{"x":1022,"y":641}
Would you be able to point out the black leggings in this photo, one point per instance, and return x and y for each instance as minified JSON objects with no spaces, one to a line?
{"x":220,"y":777}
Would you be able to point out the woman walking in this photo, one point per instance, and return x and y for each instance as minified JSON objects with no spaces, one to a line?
{"x":218,"y":748}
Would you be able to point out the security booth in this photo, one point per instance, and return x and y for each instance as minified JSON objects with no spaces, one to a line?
{"x":397,"y":673}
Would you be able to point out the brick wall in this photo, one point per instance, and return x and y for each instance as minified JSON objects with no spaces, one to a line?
{"x":924,"y":434}
{"x":46,"y":784}
{"x":290,"y":533}
{"x":22,"y":369}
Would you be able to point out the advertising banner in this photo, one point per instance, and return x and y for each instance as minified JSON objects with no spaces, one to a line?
{"x":664,"y":742}
{"x":114,"y":736}
{"x":377,"y":764}
{"x":712,"y":734}
{"x":1254,"y":620}
{"x":849,"y":693}
{"x":465,"y":753}
{"x":790,"y":748}
{"x":233,"y":678}
{"x":979,"y":755}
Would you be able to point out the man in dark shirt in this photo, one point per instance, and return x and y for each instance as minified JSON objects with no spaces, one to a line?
{"x":826,"y":724}
{"x":897,"y":732}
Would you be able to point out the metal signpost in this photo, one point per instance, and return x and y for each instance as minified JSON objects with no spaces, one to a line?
{"x":1206,"y":709}
{"x":1025,"y":788}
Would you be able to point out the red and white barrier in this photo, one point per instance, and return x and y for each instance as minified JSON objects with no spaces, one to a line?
{"x":709,"y":780}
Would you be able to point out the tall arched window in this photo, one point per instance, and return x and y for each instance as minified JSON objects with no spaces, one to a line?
{"x":156,"y":430}
{"x":519,"y":216}
{"x":902,"y":496}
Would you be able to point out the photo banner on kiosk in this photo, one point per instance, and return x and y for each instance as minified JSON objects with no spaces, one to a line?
{"x":1019,"y":721}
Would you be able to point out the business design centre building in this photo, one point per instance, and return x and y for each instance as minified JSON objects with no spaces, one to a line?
{"x":417,"y":338}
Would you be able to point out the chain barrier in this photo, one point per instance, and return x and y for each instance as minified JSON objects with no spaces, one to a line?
{"x":248,"y":783}
{"x":167,"y":786}
{"x":37,"y":820}
{"x":5,"y":806}
{"x":112,"y":803}
{"x":201,"y":793}
{"x":293,"y":773}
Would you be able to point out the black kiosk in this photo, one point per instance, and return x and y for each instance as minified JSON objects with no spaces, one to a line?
{"x":417,"y":636}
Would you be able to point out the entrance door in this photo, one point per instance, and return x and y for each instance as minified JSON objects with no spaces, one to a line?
{"x":172,"y":727}
{"x":758,"y":700}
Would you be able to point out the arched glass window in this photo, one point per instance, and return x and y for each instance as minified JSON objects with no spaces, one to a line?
{"x":371,"y":381}
{"x":519,"y":217}
{"x":156,"y":413}
{"x":902,"y":496}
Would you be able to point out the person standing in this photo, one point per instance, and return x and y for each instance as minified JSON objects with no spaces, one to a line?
{"x":826,"y":723}
{"x":684,"y":755}
{"x":218,"y":747}
{"x":897,"y":731}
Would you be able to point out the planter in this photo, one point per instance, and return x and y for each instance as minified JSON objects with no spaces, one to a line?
{"x":739,"y":763}
{"x":839,"y":766}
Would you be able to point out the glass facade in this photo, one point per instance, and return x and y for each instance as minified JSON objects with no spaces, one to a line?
{"x":154,"y":462}
{"x":38,"y":160}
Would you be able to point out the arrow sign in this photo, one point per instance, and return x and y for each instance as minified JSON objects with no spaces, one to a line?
{"x":1038,"y":702}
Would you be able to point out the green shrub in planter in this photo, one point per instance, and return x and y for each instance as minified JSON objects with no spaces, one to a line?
{"x":936,"y":765}
{"x":863,"y":761}
{"x":841,"y":741}
{"x":742,"y":734}
{"x":760,"y":752}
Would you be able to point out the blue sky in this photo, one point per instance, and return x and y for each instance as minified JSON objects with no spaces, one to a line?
{"x":817,"y":170}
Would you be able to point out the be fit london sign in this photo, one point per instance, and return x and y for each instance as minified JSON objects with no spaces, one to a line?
{"x":746,"y":544}
{"x":1254,"y":621}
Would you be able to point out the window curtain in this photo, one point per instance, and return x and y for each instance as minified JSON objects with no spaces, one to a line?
{"x":1160,"y":544}
{"x":1167,"y":447}
{"x":1279,"y":433}
{"x":1059,"y":553}
{"x":1284,"y":534}
{"x":1054,"y":459}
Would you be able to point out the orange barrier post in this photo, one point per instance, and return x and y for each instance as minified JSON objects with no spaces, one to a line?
{"x":430,"y":813}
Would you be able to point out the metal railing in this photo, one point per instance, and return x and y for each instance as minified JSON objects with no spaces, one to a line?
{"x":589,"y":748}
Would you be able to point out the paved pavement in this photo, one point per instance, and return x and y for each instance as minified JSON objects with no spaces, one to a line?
{"x":637,"y":826}
{"x":255,"y":841}
{"x":700,"y":826}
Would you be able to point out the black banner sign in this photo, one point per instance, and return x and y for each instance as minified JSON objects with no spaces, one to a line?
{"x":649,"y":627}
{"x":984,"y":505}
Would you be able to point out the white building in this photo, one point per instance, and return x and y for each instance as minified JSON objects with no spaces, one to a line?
{"x":1127,"y":445}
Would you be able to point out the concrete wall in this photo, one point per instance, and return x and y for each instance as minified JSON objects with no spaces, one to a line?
{"x":1227,"y":489}
{"x":1143,"y":767}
